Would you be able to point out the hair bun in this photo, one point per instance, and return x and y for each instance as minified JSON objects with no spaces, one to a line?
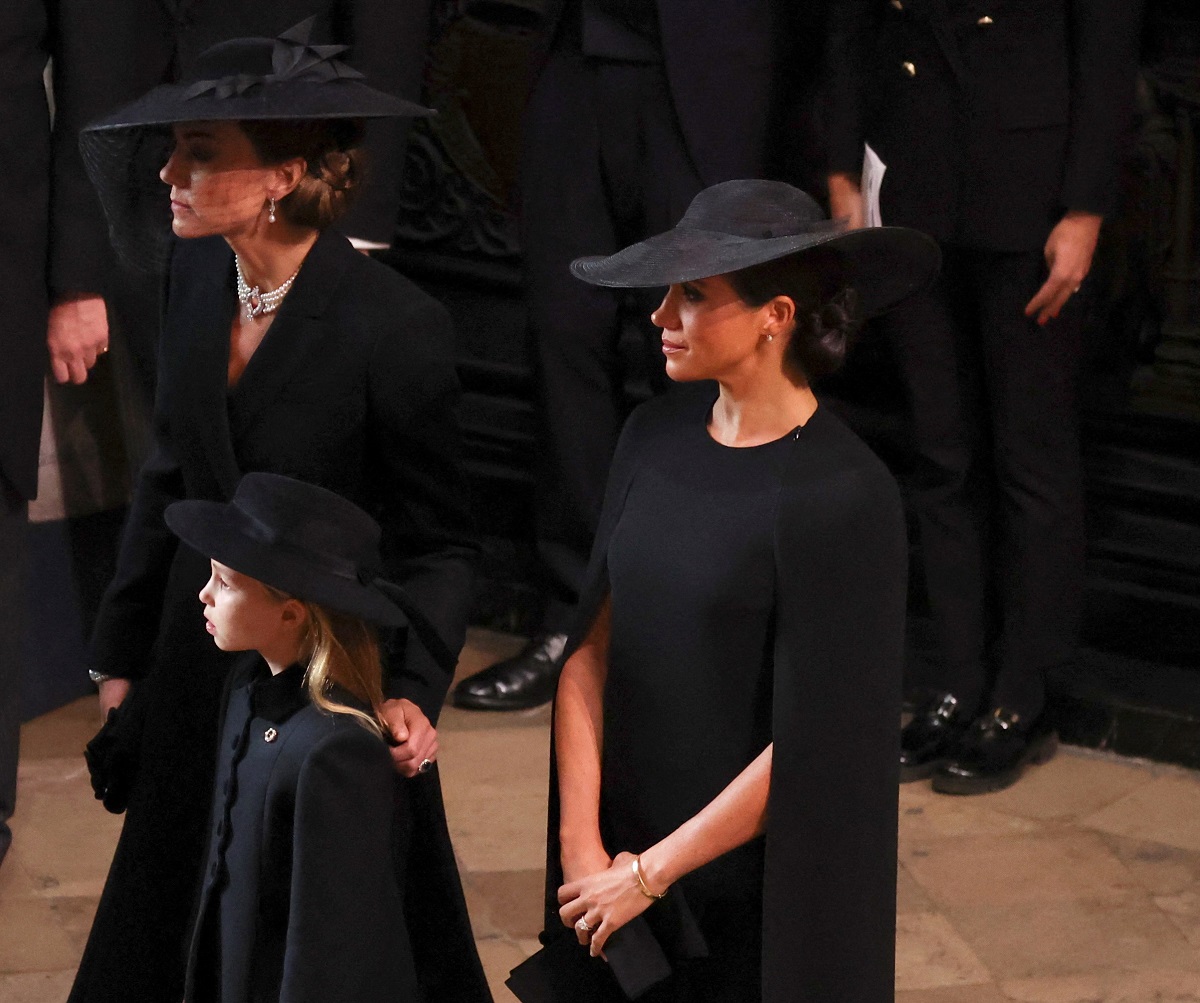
{"x":337,"y":169}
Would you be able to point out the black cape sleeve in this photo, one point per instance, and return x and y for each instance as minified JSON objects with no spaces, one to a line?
{"x":841,"y":562}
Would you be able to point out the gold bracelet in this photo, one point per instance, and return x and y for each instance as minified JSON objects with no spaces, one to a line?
{"x":637,"y":873}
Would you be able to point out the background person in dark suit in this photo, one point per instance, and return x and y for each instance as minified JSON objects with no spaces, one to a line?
{"x":24,"y":190}
{"x":999,"y":123}
{"x":636,"y":107}
{"x":109,"y":52}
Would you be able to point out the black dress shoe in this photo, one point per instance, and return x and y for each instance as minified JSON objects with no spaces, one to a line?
{"x":927,"y":740}
{"x":518,"y":683}
{"x":993,"y":753}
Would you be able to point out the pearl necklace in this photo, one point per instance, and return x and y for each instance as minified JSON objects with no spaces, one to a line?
{"x":258,"y":303}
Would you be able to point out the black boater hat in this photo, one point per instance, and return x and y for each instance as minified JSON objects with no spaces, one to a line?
{"x":736,"y":224}
{"x":305,"y":541}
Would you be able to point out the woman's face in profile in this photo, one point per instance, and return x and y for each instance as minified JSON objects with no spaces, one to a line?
{"x":219,"y":186}
{"x":709,"y":332}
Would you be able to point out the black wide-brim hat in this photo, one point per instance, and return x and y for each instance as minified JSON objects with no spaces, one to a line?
{"x":307,"y":542}
{"x":256,"y":79}
{"x":737,"y":224}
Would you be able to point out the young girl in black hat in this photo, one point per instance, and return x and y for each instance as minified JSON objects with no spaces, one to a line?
{"x":307,"y":890}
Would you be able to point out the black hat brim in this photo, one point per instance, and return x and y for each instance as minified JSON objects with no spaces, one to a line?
{"x":885,"y":264}
{"x":298,"y":100}
{"x":225,"y":534}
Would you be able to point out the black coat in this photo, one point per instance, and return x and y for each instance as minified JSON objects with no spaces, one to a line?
{"x":994,"y":117}
{"x":741,"y":77}
{"x":109,"y":52}
{"x":320,"y":861}
{"x":353,"y":388}
{"x":840,"y":560}
{"x":24,"y":190}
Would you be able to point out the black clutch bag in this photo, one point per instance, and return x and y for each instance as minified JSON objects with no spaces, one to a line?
{"x":640,"y":955}
{"x":112,"y":757}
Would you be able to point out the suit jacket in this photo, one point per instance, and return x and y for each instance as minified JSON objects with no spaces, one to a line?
{"x":829,"y":886}
{"x":24,"y":190}
{"x":354,"y":389}
{"x":320,"y":861}
{"x":994,"y":117}
{"x":741,"y":78}
{"x":109,"y":52}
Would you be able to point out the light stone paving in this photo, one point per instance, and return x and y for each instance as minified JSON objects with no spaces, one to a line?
{"x":1079,"y":885}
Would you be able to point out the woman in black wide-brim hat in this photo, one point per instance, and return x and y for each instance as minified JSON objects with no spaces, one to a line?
{"x":727,"y":717}
{"x":283,"y":350}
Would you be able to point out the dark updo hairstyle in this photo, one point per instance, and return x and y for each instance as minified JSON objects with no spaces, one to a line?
{"x":827,"y":315}
{"x":335,"y":166}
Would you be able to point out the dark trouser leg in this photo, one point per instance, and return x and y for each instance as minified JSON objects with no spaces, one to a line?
{"x":13,"y":528}
{"x":572,"y":326}
{"x":133,"y":317}
{"x":603,"y":166}
{"x":1031,"y":376}
{"x":936,"y":348}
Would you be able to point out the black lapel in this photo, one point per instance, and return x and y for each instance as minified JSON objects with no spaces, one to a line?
{"x":298,"y":329}
{"x":206,"y":317}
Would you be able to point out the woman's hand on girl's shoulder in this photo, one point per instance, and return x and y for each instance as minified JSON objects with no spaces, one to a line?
{"x":414,"y":739}
{"x":598,"y":905}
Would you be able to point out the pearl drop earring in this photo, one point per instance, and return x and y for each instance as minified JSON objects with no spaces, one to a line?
{"x":270,"y":210}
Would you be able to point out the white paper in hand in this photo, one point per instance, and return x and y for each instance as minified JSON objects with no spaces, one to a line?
{"x":872,"y":182}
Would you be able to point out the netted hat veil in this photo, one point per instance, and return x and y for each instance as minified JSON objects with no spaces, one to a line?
{"x":244,"y":79}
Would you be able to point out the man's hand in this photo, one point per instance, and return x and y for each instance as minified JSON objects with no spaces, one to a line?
{"x":112,"y":694}
{"x":1069,"y":250}
{"x":415,"y":738}
{"x":845,"y":199}
{"x":76,"y":334}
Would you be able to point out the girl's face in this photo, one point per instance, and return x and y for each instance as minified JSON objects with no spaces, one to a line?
{"x":710,"y":333}
{"x":219,"y":186}
{"x":241,"y":614}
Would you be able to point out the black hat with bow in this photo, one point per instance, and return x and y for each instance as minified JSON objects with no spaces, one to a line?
{"x":307,"y":542}
{"x":288,"y":78}
{"x":254,"y":79}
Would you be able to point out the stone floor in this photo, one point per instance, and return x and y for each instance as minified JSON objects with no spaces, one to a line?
{"x":1079,"y":885}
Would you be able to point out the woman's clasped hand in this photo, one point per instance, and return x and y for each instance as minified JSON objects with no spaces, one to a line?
{"x":598,"y":905}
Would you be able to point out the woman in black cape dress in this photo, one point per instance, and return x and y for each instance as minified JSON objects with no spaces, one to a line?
{"x":746,"y":597}
{"x":352,"y":388}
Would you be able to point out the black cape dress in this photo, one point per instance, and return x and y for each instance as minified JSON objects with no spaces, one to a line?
{"x":771,"y":582}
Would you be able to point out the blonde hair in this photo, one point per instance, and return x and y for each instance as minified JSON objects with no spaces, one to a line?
{"x":342,"y":650}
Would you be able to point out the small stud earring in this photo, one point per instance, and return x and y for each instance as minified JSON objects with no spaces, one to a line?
{"x":270,"y":210}
{"x":770,"y":337}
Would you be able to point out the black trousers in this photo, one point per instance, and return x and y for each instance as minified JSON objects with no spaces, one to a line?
{"x":603,"y":165}
{"x":997,"y":486}
{"x":13,"y":530}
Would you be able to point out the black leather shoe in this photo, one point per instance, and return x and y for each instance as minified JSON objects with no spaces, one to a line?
{"x":993,"y":753}
{"x":518,"y":683}
{"x":926,"y":741}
